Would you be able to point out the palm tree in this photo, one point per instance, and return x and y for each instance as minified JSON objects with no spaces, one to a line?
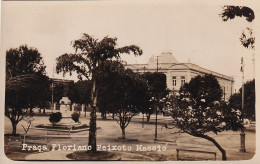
{"x":89,"y":53}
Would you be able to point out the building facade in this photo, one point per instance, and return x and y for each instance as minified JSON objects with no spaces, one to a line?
{"x":179,"y":73}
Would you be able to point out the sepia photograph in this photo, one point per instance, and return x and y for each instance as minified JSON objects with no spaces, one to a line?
{"x":128,"y":80}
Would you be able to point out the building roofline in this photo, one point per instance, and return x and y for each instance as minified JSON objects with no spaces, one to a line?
{"x":226,"y":77}
{"x":203,"y":70}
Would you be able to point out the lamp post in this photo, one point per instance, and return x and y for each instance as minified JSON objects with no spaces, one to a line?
{"x":143,"y":110}
{"x":156,"y":110}
{"x":155,"y":135}
{"x":242,"y":134}
{"x":52,"y":89}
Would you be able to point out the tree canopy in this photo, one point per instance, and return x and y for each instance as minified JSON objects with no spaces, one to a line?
{"x":201,"y":110}
{"x":230,"y":12}
{"x":123,"y":92}
{"x":23,"y":61}
{"x":25,"y":77}
{"x":83,"y":90}
{"x":205,"y":86}
{"x":249,"y":103}
{"x":157,"y":89}
{"x":89,"y":54}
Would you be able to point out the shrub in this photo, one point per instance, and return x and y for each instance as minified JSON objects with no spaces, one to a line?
{"x":75,"y":116}
{"x":55,"y":117}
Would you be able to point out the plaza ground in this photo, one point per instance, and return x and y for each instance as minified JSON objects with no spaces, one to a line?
{"x":137,"y":134}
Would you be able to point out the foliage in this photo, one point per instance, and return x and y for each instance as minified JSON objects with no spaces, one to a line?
{"x":249,"y":101}
{"x":198,"y":118}
{"x":247,"y":39}
{"x":89,"y":54}
{"x":157,"y":83}
{"x":65,"y":90}
{"x":58,"y":92}
{"x":83,"y":90}
{"x":199,"y":111}
{"x":55,"y":118}
{"x":123,"y":92}
{"x":23,"y":61}
{"x":26,"y":89}
{"x":75,"y":116}
{"x":157,"y":90}
{"x":25,"y":76}
{"x":205,"y":86}
{"x":230,"y":12}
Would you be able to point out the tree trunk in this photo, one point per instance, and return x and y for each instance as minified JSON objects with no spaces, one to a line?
{"x":85,"y":110}
{"x":148,"y":116}
{"x":92,"y":123}
{"x":14,"y":128}
{"x":103,"y":115}
{"x":224,"y":157}
{"x":43,"y":110}
{"x":92,"y":130}
{"x":123,"y":132}
{"x":24,"y":138}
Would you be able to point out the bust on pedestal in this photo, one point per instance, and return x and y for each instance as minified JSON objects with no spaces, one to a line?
{"x":65,"y":107}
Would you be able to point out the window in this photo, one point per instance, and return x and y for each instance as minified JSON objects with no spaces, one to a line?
{"x":182,"y":80}
{"x":174,"y":81}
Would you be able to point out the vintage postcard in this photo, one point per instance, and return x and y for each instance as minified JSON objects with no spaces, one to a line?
{"x":129,"y":80}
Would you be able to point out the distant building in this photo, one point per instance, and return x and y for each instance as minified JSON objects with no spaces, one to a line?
{"x":64,"y":83}
{"x":179,"y":73}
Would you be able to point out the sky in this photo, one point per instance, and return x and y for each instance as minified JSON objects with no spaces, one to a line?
{"x":190,"y":30}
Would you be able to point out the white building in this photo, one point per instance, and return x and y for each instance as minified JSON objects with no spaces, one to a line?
{"x":179,"y":73}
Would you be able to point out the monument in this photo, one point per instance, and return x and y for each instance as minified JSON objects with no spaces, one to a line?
{"x":66,"y":124}
{"x":65,"y":107}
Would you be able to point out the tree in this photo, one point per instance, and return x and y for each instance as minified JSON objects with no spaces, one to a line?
{"x":249,"y":104}
{"x":73,"y":92}
{"x":206,"y":86}
{"x":22,"y":94}
{"x":123,"y":92}
{"x":197,"y":118}
{"x":89,"y":53}
{"x":23,"y":61}
{"x":200,"y":112}
{"x":25,"y":76}
{"x":83,"y":89}
{"x":157,"y":89}
{"x":58,"y":92}
{"x":65,"y":90}
{"x":247,"y":40}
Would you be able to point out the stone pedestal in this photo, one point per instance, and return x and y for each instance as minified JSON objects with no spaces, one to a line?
{"x":65,"y":107}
